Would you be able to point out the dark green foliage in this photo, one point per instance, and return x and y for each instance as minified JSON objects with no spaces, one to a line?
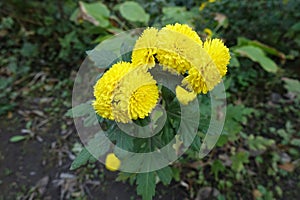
{"x":257,"y":155}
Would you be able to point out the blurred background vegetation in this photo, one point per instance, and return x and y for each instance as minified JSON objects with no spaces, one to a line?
{"x":43,"y":44}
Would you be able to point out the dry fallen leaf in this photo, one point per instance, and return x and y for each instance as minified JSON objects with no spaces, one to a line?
{"x":177,"y":145}
{"x":42,"y":184}
{"x":220,"y":18}
{"x":256,"y":194}
{"x":289,"y":167}
{"x":9,"y":115}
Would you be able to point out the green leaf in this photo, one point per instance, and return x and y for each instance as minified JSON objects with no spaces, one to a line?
{"x":217,"y":167}
{"x":96,"y":13}
{"x":196,"y":144}
{"x":126,"y":51}
{"x":223,"y":139}
{"x":98,"y":145}
{"x":259,"y":142}
{"x":124,"y":176}
{"x":95,"y":148}
{"x":90,"y":120}
{"x":146,"y":185}
{"x":132,"y":11}
{"x":29,"y":50}
{"x":257,"y":55}
{"x":80,"y":110}
{"x":238,"y":160}
{"x":6,"y":107}
{"x":5,"y":82}
{"x":81,"y":159}
{"x":103,"y":59}
{"x":165,"y":175}
{"x":292,"y":85}
{"x":296,"y":27}
{"x":17,"y":138}
{"x":234,"y":62}
{"x":176,"y":14}
{"x":74,"y":15}
{"x":270,"y":50}
{"x":123,"y":140}
{"x":295,"y":142}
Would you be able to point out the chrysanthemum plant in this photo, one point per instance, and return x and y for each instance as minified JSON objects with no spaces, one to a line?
{"x":147,"y":105}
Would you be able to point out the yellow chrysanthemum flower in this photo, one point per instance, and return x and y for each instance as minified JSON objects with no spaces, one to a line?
{"x":219,"y":53}
{"x":112,"y":163}
{"x":176,"y":47}
{"x":204,"y":76}
{"x":103,"y":89}
{"x":202,"y":80}
{"x":135,"y":96}
{"x":184,"y":96}
{"x":184,"y":29}
{"x":145,"y":49}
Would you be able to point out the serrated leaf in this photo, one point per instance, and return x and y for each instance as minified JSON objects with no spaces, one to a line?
{"x":165,"y":175}
{"x":238,"y":160}
{"x":81,"y":159}
{"x":217,"y":167}
{"x":124,"y":176}
{"x":95,"y":148}
{"x":17,"y":138}
{"x":238,"y":113}
{"x":257,"y":55}
{"x":146,"y":185}
{"x":132,"y":11}
{"x":123,"y":140}
{"x":259,"y":142}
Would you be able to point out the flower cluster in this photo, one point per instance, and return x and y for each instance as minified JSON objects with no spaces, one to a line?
{"x":127,"y":91}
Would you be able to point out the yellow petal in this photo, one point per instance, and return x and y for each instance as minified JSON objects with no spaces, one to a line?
{"x":112,"y":163}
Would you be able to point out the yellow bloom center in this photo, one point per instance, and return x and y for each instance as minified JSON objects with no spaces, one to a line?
{"x":105,"y":86}
{"x":176,"y":47}
{"x":135,"y":96}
